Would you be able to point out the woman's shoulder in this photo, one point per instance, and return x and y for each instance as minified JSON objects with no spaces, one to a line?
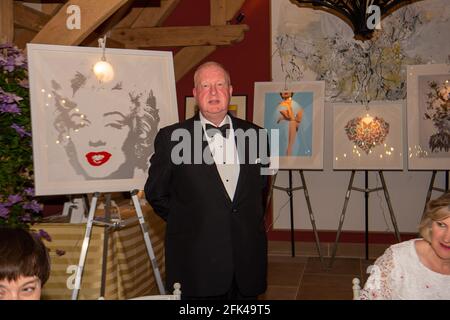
{"x":403,"y":250}
{"x":404,"y":244}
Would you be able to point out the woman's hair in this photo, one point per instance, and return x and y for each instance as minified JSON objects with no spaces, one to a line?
{"x":22,"y":254}
{"x":436,"y":210}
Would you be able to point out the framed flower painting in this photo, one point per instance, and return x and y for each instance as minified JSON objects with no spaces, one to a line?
{"x":429,"y":117}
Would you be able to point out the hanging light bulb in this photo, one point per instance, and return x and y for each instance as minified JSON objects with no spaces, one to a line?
{"x":103,"y":70}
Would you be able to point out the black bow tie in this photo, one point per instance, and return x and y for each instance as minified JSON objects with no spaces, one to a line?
{"x":212,"y":130}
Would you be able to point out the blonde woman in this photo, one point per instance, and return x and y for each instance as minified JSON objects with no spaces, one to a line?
{"x":418,"y":269}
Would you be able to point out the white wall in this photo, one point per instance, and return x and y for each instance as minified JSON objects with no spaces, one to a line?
{"x":327,"y":189}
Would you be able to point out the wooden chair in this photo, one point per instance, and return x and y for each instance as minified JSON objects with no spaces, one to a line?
{"x":356,"y":288}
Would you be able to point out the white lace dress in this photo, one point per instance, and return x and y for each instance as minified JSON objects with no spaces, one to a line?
{"x":400,"y":275}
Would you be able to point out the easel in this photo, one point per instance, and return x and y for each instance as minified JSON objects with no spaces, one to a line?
{"x":366,"y":191}
{"x":290,"y":191}
{"x":432,"y":187}
{"x":110,"y":224}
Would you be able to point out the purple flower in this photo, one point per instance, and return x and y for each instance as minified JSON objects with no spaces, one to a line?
{"x":10,"y":108}
{"x":19,"y":60}
{"x":29,"y":191}
{"x":33,"y":206}
{"x":25,"y":218}
{"x":4,"y":211}
{"x":9,"y":66}
{"x":14,"y":198}
{"x":8,"y":97}
{"x":45,"y":235}
{"x":24,"y":83}
{"x":11,"y":57}
{"x":20,"y":130}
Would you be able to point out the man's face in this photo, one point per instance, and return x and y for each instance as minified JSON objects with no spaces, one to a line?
{"x":212,"y":92}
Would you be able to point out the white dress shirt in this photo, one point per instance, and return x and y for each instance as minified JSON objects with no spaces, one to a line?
{"x":225,"y":155}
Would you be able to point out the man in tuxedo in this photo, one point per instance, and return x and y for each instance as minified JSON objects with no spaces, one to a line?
{"x":206,"y":182}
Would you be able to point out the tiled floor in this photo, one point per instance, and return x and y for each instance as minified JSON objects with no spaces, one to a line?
{"x":304,"y":277}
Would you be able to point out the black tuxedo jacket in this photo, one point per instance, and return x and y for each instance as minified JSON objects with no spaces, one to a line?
{"x":209,"y":237}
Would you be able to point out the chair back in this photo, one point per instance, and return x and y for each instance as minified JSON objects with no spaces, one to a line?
{"x":176,"y":295}
{"x":356,"y":288}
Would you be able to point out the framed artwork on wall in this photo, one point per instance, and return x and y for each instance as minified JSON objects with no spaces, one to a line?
{"x":368,"y":138}
{"x":237,"y":107}
{"x":429,"y":117}
{"x":96,"y":136}
{"x":309,"y":44}
{"x":297,"y":115}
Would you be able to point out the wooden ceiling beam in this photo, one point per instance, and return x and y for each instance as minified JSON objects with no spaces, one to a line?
{"x":6,"y":21}
{"x":148,"y":17}
{"x":129,"y":19}
{"x":51,"y":8}
{"x":223,"y":11}
{"x":179,"y":36}
{"x":22,"y":37}
{"x":115,"y":18}
{"x":92,"y":41}
{"x":154,"y":17}
{"x":218,"y":9}
{"x":29,"y":18}
{"x":189,"y":57}
{"x":232,"y":8}
{"x":93,"y":14}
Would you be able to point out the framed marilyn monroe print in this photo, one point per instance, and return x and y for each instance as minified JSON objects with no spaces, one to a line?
{"x":96,"y":136}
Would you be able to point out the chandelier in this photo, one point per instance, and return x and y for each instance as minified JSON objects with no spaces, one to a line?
{"x":356,"y":13}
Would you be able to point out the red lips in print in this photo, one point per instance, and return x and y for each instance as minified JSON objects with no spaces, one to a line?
{"x":98,"y":158}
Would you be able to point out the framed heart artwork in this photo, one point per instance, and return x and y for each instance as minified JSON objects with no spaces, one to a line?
{"x":368,"y":138}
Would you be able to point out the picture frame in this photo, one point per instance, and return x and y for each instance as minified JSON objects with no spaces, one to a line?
{"x":368,"y":138}
{"x":91,"y":135}
{"x":428,"y":96}
{"x":298,"y":120}
{"x":309,"y":44}
{"x":237,"y":107}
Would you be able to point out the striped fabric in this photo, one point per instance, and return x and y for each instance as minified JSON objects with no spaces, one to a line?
{"x":129,"y":271}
